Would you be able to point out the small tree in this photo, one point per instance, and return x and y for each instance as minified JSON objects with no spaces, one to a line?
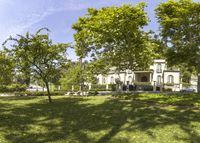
{"x":44,"y":58}
{"x":71,"y":77}
{"x":74,"y":75}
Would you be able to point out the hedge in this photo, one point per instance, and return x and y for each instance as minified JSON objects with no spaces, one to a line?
{"x":39,"y":93}
{"x":102,"y":87}
{"x":186,"y":84}
{"x":142,"y":83}
{"x":169,"y":84}
{"x":98,"y":87}
{"x":112,"y":87}
{"x":76,"y":87}
{"x":145,"y":86}
{"x":12,"y":88}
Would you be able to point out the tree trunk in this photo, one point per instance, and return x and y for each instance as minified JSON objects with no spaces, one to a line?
{"x":198,"y":83}
{"x":81,"y":77}
{"x":48,"y":91}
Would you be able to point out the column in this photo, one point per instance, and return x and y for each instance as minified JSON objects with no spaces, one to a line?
{"x":150,"y":79}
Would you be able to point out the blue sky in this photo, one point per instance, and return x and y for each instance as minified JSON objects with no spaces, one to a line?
{"x":19,"y":16}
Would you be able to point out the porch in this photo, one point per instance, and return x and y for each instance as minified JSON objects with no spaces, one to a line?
{"x":143,"y":76}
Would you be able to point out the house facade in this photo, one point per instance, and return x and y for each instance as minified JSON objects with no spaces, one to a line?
{"x":159,"y":76}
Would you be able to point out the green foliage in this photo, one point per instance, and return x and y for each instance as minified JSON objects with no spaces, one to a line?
{"x":7,"y":67}
{"x":185,"y":84}
{"x":112,"y":87}
{"x":102,"y":87}
{"x":71,"y":76}
{"x":180,"y":29}
{"x":39,"y":93}
{"x":95,"y":67}
{"x":142,"y":83}
{"x":39,"y":56}
{"x":115,"y":35}
{"x":98,"y":87}
{"x":12,"y":88}
{"x":144,"y":86}
{"x":74,"y":75}
{"x":169,"y":84}
{"x":168,"y":89}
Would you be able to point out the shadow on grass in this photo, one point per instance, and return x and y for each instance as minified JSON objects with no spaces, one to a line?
{"x":80,"y":120}
{"x":179,"y":99}
{"x":8,"y":98}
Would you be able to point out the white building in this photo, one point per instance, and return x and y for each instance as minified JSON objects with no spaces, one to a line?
{"x":158,"y":75}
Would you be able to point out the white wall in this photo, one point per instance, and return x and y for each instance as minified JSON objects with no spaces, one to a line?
{"x":124,"y":77}
{"x":154,"y":68}
{"x":176,"y":76}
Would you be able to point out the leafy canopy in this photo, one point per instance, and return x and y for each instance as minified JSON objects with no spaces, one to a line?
{"x":115,"y":34}
{"x":44,"y":59}
{"x":7,"y":68}
{"x":180,"y":29}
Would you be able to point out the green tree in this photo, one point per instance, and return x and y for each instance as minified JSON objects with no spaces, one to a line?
{"x":180,"y":29}
{"x":115,"y":35}
{"x":75,"y":76}
{"x":71,"y":77}
{"x":44,"y":58}
{"x":7,"y":69}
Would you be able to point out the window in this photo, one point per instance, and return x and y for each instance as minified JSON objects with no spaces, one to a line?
{"x":97,"y":80}
{"x":111,"y":80}
{"x":103,"y":80}
{"x":130,"y":79}
{"x":170,"y":79}
{"x":159,"y":68}
{"x":158,"y":79}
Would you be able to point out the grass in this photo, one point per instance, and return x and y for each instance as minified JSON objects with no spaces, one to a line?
{"x":99,"y":119}
{"x":179,"y":99}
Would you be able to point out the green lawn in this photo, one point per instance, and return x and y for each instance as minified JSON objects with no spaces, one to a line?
{"x":99,"y":119}
{"x":181,"y":99}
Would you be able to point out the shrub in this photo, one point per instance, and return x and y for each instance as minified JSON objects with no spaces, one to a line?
{"x":142,"y":83}
{"x":98,"y":87}
{"x":76,"y":88}
{"x":131,"y":88}
{"x":112,"y":87}
{"x":145,"y":86}
{"x":169,"y":84}
{"x":168,"y":89}
{"x":124,"y":87}
{"x":13,"y":88}
{"x":39,"y":93}
{"x":93,"y":92}
{"x":186,"y":84}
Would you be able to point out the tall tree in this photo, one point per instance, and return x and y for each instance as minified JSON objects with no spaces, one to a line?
{"x":180,"y":29}
{"x":44,"y":58}
{"x":179,"y":22}
{"x":115,"y":35}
